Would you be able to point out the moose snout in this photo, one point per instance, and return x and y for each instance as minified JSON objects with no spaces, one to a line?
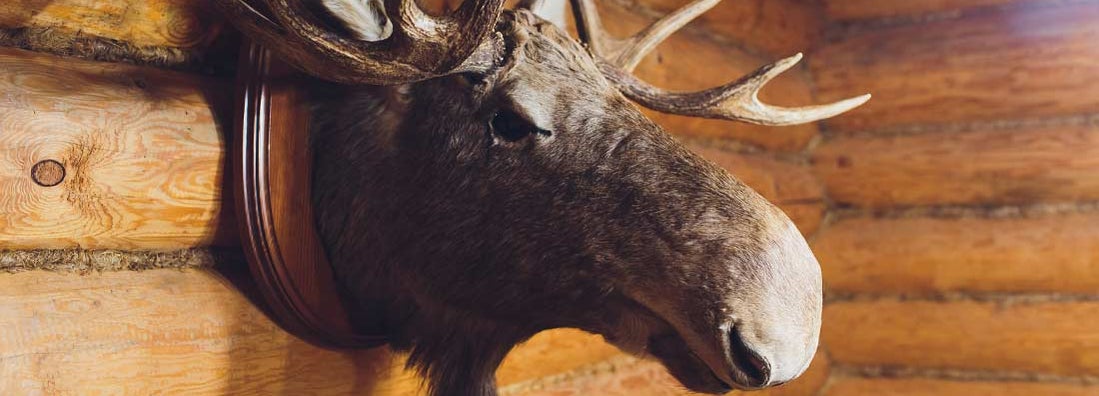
{"x":774,"y":341}
{"x":754,"y":370}
{"x":760,"y":366}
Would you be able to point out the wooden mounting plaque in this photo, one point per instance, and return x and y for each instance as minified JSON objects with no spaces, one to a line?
{"x":271,"y":166}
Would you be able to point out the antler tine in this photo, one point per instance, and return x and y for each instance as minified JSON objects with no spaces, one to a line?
{"x":626,"y":54}
{"x":738,"y":100}
{"x":645,"y":41}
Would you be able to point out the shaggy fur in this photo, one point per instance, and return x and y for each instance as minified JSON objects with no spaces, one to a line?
{"x":458,"y":234}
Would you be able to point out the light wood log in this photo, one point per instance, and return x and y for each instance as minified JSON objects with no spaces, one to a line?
{"x":633,"y":377}
{"x":1007,"y":64}
{"x":141,"y":149}
{"x":191,"y":332}
{"x":1058,"y":338}
{"x":157,"y":23}
{"x":144,"y":158}
{"x":1055,"y":253}
{"x":852,"y":386}
{"x":850,"y":10}
{"x":689,"y":62}
{"x":1028,"y":165}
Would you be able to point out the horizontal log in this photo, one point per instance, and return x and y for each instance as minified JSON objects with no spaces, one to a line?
{"x":192,"y":332}
{"x":1038,"y":337}
{"x":163,"y":32}
{"x":675,"y":64}
{"x":139,"y":151}
{"x":1007,"y":64}
{"x":920,"y":256}
{"x":162,"y":331}
{"x":850,"y":386}
{"x":850,"y":10}
{"x":778,"y":28}
{"x":631,"y":376}
{"x":1028,"y":165}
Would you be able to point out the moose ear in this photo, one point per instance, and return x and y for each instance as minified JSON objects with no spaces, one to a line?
{"x":366,"y":19}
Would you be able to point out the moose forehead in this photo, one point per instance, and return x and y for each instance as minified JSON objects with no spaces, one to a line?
{"x":547,"y":71}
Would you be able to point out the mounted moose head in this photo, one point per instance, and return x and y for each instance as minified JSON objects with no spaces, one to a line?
{"x":480,"y":177}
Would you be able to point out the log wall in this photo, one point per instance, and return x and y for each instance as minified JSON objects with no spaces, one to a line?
{"x":144,"y":152}
{"x":962,"y":255}
{"x":956,"y":216}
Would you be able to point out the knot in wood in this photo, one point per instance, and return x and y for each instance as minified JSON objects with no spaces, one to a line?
{"x":48,"y":173}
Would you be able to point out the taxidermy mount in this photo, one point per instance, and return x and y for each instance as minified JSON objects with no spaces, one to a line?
{"x":481,"y":176}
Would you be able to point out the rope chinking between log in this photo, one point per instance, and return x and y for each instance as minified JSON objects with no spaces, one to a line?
{"x":948,"y":374}
{"x":89,"y":261}
{"x":62,"y":43}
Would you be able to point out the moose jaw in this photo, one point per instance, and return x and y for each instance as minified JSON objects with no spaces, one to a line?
{"x":481,"y":177}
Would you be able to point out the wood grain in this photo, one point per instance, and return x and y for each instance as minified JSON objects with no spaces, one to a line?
{"x":157,"y":23}
{"x":1007,"y":64}
{"x":849,"y":10}
{"x":850,"y":386}
{"x":627,"y":376}
{"x":1040,"y":337}
{"x":914,"y":256}
{"x":778,"y":28}
{"x":191,"y":332}
{"x":141,"y":148}
{"x":271,"y":169}
{"x":1028,"y":165}
{"x":160,"y":331}
{"x":689,"y":62}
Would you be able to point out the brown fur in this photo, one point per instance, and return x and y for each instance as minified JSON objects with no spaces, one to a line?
{"x":459,"y":240}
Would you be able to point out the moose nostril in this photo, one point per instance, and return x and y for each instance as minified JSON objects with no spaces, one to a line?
{"x":756,"y":370}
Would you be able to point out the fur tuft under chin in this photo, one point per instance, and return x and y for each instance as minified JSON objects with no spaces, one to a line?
{"x":458,"y":354}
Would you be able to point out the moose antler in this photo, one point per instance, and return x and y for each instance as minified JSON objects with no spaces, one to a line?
{"x":738,"y":100}
{"x":421,"y":46}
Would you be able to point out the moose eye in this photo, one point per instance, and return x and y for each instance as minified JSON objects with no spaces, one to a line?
{"x":512,"y":127}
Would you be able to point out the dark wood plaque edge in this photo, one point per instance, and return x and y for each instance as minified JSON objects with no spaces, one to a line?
{"x":297,"y":287}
